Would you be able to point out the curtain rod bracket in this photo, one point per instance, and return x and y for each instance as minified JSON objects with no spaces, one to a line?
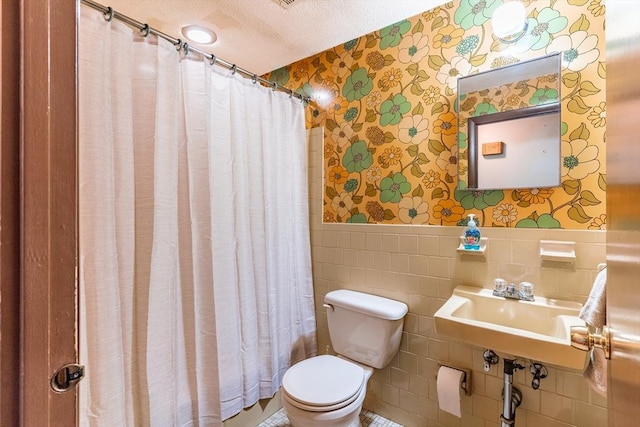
{"x":145,"y":30}
{"x":108,"y":15}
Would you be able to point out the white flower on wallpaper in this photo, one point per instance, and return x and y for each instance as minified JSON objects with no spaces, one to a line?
{"x":578,"y":50}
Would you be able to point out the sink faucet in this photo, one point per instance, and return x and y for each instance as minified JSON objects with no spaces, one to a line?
{"x":510,"y":291}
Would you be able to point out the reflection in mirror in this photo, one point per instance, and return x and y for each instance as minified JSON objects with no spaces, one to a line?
{"x":517,"y":146}
{"x":509,"y":122}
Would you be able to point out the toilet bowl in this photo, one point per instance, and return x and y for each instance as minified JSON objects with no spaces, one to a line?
{"x":326,"y":390}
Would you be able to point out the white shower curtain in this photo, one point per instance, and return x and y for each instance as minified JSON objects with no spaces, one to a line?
{"x":195,"y":266}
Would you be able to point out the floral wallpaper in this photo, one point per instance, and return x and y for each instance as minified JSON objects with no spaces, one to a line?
{"x":387,"y":101}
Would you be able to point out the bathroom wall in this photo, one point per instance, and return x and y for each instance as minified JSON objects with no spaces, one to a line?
{"x":388,"y":103}
{"x":371,"y":96}
{"x":420,"y":266}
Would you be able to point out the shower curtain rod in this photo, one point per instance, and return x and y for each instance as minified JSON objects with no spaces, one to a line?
{"x":145,"y":30}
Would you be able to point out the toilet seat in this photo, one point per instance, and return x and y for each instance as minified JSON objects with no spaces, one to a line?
{"x":323,"y":383}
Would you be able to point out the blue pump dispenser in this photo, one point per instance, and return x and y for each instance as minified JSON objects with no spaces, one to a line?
{"x":471,"y":235}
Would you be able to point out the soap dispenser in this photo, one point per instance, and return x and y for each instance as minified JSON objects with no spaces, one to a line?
{"x":471,"y":235}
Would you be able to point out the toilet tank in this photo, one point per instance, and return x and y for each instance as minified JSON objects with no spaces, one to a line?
{"x":363,"y":327}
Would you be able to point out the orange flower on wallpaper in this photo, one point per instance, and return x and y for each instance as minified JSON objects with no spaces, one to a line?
{"x":391,"y":156}
{"x":447,"y":37}
{"x":448,"y":210}
{"x":338,"y":175}
{"x":431,"y":179}
{"x":337,"y":106}
{"x":391,"y":78}
{"x":535,"y":195}
{"x":446,"y":124}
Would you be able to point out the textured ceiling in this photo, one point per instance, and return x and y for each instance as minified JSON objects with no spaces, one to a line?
{"x":261,"y":36}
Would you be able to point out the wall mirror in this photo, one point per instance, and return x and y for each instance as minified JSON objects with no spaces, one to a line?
{"x":509,"y":126}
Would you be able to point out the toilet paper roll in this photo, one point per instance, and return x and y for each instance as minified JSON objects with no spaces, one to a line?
{"x":448,"y":385}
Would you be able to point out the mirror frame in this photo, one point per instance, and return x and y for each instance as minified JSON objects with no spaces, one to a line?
{"x":519,"y":71}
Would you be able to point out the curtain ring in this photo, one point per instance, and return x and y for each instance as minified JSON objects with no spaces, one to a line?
{"x":144,"y":31}
{"x":233,"y":69}
{"x":290,"y":93}
{"x":274,"y":86}
{"x":213,"y":59}
{"x":185,"y":46}
{"x":178,"y":45}
{"x":255,"y":78}
{"x":108,"y":15}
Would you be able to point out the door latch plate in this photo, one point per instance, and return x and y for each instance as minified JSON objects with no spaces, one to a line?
{"x":66,"y":377}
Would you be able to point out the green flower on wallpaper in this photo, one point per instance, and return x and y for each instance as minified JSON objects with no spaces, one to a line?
{"x":280,"y":76}
{"x":544,"y":96}
{"x":357,"y":157}
{"x":351,"y":185}
{"x":358,"y":218}
{"x":535,"y":221}
{"x":350,"y":114}
{"x":357,"y":86}
{"x":392,"y":35}
{"x":540,"y":29}
{"x":350,"y":44}
{"x":467,"y":45}
{"x":392,"y":188}
{"x":478,"y":199}
{"x":392,"y":110}
{"x":578,"y":49}
{"x":475,"y":12}
{"x":484,"y":108}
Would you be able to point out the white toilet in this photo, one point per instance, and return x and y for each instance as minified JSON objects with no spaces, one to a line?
{"x":365,"y":331}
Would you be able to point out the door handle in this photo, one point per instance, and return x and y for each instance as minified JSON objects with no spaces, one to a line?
{"x":584,"y":340}
{"x":66,"y":377}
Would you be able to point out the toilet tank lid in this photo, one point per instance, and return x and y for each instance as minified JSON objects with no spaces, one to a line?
{"x":372,"y":305}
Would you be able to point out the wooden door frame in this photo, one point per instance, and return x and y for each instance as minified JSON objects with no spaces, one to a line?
{"x":48,"y":206}
{"x":9,"y":213}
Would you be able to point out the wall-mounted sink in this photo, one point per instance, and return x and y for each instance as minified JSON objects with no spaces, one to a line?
{"x":537,"y":330}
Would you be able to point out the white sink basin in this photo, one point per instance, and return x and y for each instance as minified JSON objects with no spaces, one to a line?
{"x":536,"y":330}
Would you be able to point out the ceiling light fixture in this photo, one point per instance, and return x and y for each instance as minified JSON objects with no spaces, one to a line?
{"x":199,"y":34}
{"x":509,"y":22}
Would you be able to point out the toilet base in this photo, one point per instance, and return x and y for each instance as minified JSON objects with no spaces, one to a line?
{"x":321,"y":420}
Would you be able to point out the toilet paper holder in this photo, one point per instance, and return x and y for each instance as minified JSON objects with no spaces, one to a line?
{"x":465,"y":381}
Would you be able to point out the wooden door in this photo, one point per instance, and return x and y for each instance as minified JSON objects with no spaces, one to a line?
{"x":623,"y":211}
{"x":48,"y":207}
